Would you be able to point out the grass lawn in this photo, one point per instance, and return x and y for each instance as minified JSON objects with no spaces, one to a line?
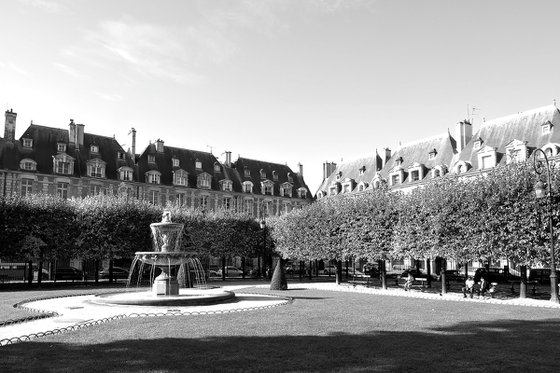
{"x":320,"y":331}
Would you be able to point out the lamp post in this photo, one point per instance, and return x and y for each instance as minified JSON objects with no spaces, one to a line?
{"x":540,"y":192}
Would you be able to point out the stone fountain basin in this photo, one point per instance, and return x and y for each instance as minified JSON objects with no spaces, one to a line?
{"x":165,"y":258}
{"x":186,"y":297}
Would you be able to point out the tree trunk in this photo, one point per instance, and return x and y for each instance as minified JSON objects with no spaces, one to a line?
{"x":523,"y":282}
{"x":310,"y":269}
{"x":383,"y":274}
{"x":243,"y":267}
{"x":223,"y":268}
{"x":30,"y":272}
{"x":96,"y":271}
{"x":111,"y":270}
{"x":466,"y":270}
{"x":338,"y":277}
{"x":429,"y":273}
{"x":442,"y":273}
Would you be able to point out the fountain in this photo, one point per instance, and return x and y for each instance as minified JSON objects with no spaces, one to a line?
{"x":166,"y":256}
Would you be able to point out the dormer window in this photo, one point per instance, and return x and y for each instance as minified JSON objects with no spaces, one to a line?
{"x":290,"y":178}
{"x":151,"y":158}
{"x":175,"y":162}
{"x":120,"y":155}
{"x":432,"y":154}
{"x":267,"y":187}
{"x":198,"y":165}
{"x":399,"y":161}
{"x":516,"y":151}
{"x":286,"y":190}
{"x":362,"y":170}
{"x":338,"y":175}
{"x":217,"y":167}
{"x":274,"y":175}
{"x":63,"y":164}
{"x":477,"y":144}
{"x":545,"y":128}
{"x":203,"y":181}
{"x":414,"y":175}
{"x":348,"y":185}
{"x":153,"y":177}
{"x":486,"y":158}
{"x":302,"y":192}
{"x":61,"y":147}
{"x":247,"y":172}
{"x":247,"y":187}
{"x":125,"y":173}
{"x":28,"y":164}
{"x":226,"y":185}
{"x":180,"y":177}
{"x":94,"y":149}
{"x":96,"y":168}
{"x":263,"y":174}
{"x":27,"y":143}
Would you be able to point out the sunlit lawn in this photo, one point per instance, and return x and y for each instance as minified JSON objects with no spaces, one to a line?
{"x":320,"y":331}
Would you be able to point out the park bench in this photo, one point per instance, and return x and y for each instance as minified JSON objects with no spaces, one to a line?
{"x":360,"y":281}
{"x":532,"y":283}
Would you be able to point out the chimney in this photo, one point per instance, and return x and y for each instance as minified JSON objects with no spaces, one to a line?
{"x":300,"y":169}
{"x":463,"y":133}
{"x":159,"y":146}
{"x":10,"y":126}
{"x":72,"y":132}
{"x":228,"y":158}
{"x":328,"y":169}
{"x":79,"y":135}
{"x":387,"y":156}
{"x":133,"y":149}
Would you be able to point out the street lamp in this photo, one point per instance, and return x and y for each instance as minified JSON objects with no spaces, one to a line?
{"x":540,"y":192}
{"x":263,"y":227}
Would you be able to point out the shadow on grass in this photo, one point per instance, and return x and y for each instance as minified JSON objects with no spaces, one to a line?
{"x":509,"y":345}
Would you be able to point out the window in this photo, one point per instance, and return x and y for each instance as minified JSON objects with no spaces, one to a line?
{"x":432,"y":154}
{"x":286,"y":190}
{"x":247,"y":172}
{"x":347,"y":188}
{"x":338,"y":175}
{"x":399,"y":161}
{"x":120,"y":155}
{"x":217,"y":167}
{"x":96,"y":168}
{"x":545,"y":128}
{"x":415,"y":175}
{"x":198,"y":165}
{"x":26,"y":186}
{"x":61,"y":147}
{"x":548,"y":152}
{"x":95,"y":189}
{"x":395,"y":179}
{"x":63,"y":164}
{"x":267,"y":188}
{"x":486,"y":161}
{"x":28,"y":164}
{"x":125,"y":174}
{"x":249,"y":207}
{"x":290,"y":178}
{"x":180,"y":199}
{"x":175,"y":162}
{"x":436,"y":173}
{"x":226,"y":203}
{"x":274,"y":175}
{"x":62,"y":190}
{"x":203,"y":201}
{"x":302,"y":193}
{"x":477,"y":144}
{"x":361,"y":187}
{"x":263,"y":174}
{"x":153,"y":177}
{"x":247,"y":187}
{"x":180,"y":177}
{"x":362,"y":170}
{"x":27,"y":143}
{"x":204,"y":181}
{"x":227,"y":185}
{"x":153,"y":197}
{"x":94,"y":149}
{"x":151,"y":158}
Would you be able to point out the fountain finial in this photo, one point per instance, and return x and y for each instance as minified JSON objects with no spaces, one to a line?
{"x":166,"y":217}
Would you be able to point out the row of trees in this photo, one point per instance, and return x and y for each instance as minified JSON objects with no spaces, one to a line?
{"x":43,"y":228}
{"x":492,"y":216}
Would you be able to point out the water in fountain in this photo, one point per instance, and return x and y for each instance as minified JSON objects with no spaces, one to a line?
{"x":166,"y":257}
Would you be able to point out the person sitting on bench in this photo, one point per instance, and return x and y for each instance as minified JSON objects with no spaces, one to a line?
{"x":469,"y":287}
{"x":483,"y":286}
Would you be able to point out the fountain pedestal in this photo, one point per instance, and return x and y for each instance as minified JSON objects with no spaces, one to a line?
{"x":165,"y":284}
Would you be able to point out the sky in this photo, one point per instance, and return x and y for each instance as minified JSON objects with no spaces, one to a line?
{"x":284,"y":81}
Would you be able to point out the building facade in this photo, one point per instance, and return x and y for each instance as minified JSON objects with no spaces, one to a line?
{"x":71,"y":163}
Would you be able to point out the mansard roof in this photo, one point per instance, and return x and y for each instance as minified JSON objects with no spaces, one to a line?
{"x":524,"y":126}
{"x":255,"y":167}
{"x":187,"y":162}
{"x":351,"y":170}
{"x":418,"y":153}
{"x":45,"y":140}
